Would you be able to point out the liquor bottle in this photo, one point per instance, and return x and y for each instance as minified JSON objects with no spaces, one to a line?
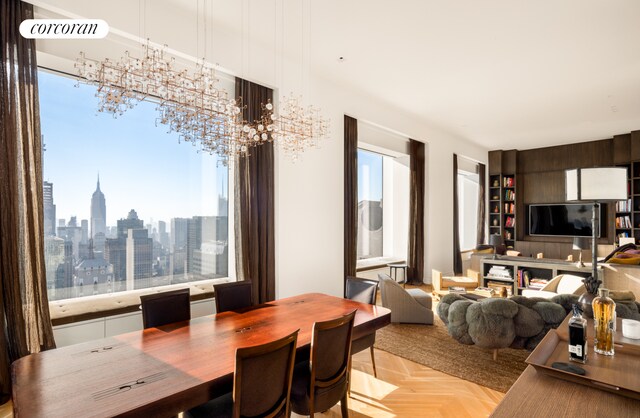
{"x":604,"y":309}
{"x":577,"y":336}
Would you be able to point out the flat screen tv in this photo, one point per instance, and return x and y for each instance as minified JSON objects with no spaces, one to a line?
{"x":561,"y":219}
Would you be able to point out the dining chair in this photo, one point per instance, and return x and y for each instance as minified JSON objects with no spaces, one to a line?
{"x":261,"y":383}
{"x":165,"y":308}
{"x":322,"y":382}
{"x":233,"y":296}
{"x":364,"y":291}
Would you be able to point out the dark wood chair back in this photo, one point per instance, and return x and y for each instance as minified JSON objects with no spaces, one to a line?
{"x":262,"y":381}
{"x":330,"y":353}
{"x":361,"y":290}
{"x":233,"y":296}
{"x":165,"y":308}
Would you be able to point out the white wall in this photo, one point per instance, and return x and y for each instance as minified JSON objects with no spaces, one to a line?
{"x":309,"y":193}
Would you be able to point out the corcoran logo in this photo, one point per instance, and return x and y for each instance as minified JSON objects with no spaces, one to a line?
{"x":64,"y":28}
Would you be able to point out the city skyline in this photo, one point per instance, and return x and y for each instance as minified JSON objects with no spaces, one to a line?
{"x":141,"y":166}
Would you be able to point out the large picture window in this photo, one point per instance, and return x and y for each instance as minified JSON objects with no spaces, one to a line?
{"x":126,"y":205}
{"x":468,"y":189}
{"x":383,"y":206}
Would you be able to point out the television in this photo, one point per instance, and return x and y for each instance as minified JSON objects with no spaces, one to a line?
{"x":562,"y":219}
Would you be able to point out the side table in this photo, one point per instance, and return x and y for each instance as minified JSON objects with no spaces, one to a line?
{"x":393,"y":272}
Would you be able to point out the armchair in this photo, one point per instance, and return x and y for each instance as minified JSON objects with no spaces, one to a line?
{"x":407,"y":305}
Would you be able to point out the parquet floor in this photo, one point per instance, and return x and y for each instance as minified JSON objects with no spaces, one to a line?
{"x":407,"y":389}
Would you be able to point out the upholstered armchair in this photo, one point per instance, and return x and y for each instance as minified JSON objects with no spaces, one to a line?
{"x":562,"y":284}
{"x":407,"y":305}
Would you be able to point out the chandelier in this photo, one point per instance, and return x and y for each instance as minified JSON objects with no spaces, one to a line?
{"x":192,"y":105}
{"x":297,"y":128}
{"x":189,"y":103}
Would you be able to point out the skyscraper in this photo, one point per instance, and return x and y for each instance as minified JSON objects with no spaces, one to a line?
{"x":49,"y":210}
{"x":98,"y":218}
{"x":131,"y":253}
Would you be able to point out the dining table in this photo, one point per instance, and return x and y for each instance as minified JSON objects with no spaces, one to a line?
{"x":165,"y":370}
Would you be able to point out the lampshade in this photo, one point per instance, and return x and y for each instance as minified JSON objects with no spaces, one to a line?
{"x":596,"y":184}
{"x":580,"y":243}
{"x":495,"y":240}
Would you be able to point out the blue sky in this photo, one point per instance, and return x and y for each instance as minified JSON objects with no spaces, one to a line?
{"x":369,"y":168}
{"x":141,"y":166}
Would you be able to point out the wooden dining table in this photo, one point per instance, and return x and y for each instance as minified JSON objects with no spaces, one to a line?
{"x":163,"y":371}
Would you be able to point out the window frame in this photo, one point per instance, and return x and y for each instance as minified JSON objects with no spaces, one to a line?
{"x":110,"y":304}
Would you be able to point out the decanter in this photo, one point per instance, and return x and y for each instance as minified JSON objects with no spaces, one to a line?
{"x":577,"y":336}
{"x":604,"y":309}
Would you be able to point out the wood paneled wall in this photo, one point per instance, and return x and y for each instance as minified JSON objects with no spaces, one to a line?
{"x":540,"y":179}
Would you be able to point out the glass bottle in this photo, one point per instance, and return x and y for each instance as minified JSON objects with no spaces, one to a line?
{"x":577,"y":336}
{"x":604,"y":309}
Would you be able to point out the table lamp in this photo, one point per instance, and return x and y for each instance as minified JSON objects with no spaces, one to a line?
{"x":580,"y":243}
{"x":595,"y":185}
{"x":495,"y":240}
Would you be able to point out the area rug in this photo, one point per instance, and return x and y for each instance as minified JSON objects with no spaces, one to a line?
{"x":431,"y":346}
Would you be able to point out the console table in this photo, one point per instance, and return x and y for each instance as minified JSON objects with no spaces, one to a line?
{"x":537,"y":395}
{"x":539,"y":268}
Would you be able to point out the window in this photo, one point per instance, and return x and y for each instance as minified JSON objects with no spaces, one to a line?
{"x":468,"y":191}
{"x":370,"y":213}
{"x":383,"y":206}
{"x":125,"y":203}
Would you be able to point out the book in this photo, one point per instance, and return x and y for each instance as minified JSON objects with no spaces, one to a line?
{"x":485,"y":291}
{"x":457,"y":289}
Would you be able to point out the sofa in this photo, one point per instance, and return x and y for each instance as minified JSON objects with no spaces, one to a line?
{"x":561,"y":284}
{"x":515,"y":322}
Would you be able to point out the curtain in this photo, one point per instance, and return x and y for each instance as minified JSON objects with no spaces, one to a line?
{"x":350,"y":196}
{"x":415,"y":256}
{"x":481,"y":203}
{"x":254,"y":203}
{"x":457,"y":256}
{"x":25,"y":324}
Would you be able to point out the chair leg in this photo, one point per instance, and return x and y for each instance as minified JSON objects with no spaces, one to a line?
{"x":344,"y":407}
{"x":349,"y":381}
{"x":373,"y":363}
{"x":495,"y":354}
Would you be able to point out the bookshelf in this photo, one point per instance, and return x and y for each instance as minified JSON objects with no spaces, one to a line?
{"x":502,"y":207}
{"x":509,"y":209}
{"x":627,"y":213}
{"x":519,"y":273}
{"x":495,"y":205}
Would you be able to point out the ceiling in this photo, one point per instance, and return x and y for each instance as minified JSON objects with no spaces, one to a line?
{"x":504,"y":74}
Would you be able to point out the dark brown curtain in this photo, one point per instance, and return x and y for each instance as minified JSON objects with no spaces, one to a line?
{"x":457,"y":257}
{"x":481,"y":203}
{"x":254,"y":196}
{"x":350,"y":196}
{"x":25,"y":325}
{"x":415,"y":257}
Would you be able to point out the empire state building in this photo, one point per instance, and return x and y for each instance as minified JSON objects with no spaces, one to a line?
{"x":98,"y":218}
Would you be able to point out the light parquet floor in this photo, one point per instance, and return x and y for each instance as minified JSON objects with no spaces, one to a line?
{"x":407,"y":389}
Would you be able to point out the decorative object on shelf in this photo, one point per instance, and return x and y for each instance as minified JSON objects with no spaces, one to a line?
{"x":604,"y":318}
{"x":596,"y":185}
{"x":495,"y":240}
{"x":580,"y":243}
{"x":495,"y":222}
{"x":496,"y":183}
